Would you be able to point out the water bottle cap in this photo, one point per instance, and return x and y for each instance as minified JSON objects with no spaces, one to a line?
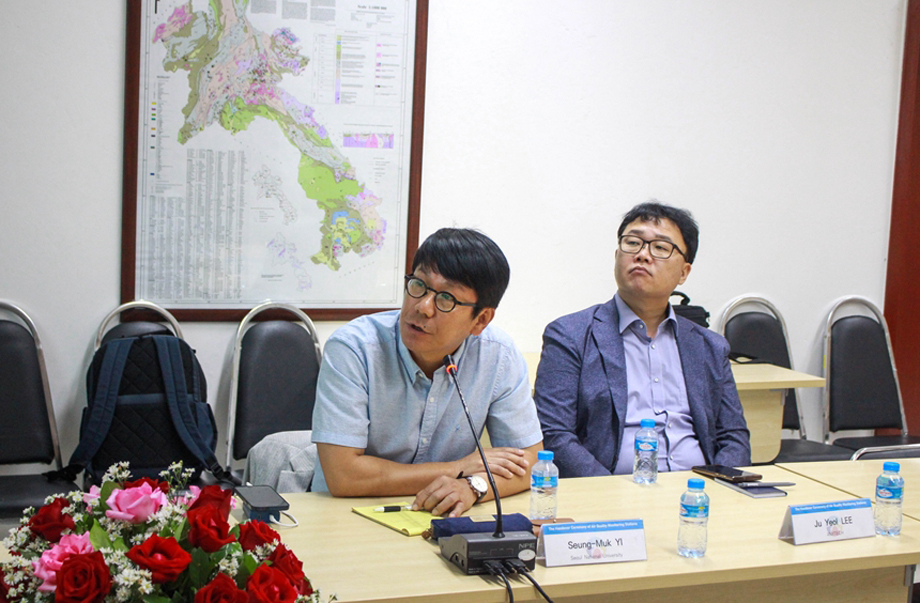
{"x":696,"y":483}
{"x":647,"y":423}
{"x":889,"y":466}
{"x":545,"y":455}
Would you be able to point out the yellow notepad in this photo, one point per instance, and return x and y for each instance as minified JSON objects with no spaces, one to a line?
{"x":410,"y":523}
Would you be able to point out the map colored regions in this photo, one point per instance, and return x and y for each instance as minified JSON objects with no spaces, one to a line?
{"x":368,"y":141}
{"x":283,"y":253}
{"x":234,"y":77}
{"x":269,"y":187}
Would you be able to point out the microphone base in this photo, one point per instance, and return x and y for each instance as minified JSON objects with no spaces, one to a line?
{"x":470,"y":551}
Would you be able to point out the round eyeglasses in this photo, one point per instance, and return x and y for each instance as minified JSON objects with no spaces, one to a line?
{"x":443,"y":301}
{"x":657,"y":248}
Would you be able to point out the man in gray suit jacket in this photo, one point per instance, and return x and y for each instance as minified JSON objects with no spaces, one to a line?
{"x":605,"y":368}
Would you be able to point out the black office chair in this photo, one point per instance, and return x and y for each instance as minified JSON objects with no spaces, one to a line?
{"x":273,"y":378}
{"x":755,"y":328}
{"x":139,"y":327}
{"x":28,"y":431}
{"x":862,"y":390}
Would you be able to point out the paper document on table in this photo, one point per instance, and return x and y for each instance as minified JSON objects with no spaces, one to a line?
{"x":410,"y":523}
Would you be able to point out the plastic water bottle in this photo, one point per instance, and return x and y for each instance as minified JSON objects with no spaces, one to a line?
{"x":645,"y":464}
{"x":889,"y":492}
{"x":694,"y":515}
{"x":544,"y":480}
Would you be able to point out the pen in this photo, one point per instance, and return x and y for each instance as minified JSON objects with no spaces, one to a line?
{"x":764,"y":484}
{"x":391,"y":509}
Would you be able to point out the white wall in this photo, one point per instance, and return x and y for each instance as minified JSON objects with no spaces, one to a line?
{"x":774,"y":121}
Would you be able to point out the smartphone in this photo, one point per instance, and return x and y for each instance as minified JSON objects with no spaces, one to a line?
{"x":261,"y":502}
{"x":728,"y":474}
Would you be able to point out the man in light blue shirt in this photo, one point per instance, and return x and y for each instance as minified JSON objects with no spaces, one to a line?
{"x":607,"y":367}
{"x":388,"y":419}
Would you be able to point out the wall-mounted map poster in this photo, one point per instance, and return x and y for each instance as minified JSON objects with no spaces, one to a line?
{"x":272,"y":153}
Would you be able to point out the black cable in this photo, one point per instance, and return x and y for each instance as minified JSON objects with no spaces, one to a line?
{"x":498,"y":571}
{"x":518,"y":567}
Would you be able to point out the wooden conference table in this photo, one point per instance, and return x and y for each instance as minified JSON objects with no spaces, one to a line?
{"x":359,"y":560}
{"x":858,"y":478}
{"x":761,"y":389}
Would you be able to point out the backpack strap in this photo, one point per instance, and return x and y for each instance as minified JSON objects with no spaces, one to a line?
{"x":114,"y":358}
{"x":169,"y":354}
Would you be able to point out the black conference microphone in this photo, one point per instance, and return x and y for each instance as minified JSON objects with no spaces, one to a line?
{"x":471,"y":551}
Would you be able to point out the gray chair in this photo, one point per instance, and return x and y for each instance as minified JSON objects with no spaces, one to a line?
{"x":862,"y":390}
{"x":28,"y":431}
{"x":273,"y":377}
{"x":754,"y":327}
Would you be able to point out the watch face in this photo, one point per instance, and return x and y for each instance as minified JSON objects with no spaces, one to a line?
{"x":479,"y":484}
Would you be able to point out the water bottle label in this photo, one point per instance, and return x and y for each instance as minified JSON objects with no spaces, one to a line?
{"x":543,"y":481}
{"x":698,"y":511}
{"x":889,"y":492}
{"x":646,"y":445}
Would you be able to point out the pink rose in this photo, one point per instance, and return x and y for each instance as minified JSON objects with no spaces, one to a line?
{"x":135,"y":505}
{"x":92,"y":496}
{"x":51,"y":560}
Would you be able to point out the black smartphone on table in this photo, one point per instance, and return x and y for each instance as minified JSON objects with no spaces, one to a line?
{"x":726,"y":473}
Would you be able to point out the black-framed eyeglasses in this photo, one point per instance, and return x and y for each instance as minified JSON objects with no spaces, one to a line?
{"x":443,"y":301}
{"x":657,"y":248}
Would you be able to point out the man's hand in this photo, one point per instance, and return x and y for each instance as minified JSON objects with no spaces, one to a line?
{"x":446,"y":495}
{"x":504,"y":462}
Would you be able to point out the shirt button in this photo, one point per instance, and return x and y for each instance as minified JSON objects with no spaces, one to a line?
{"x":656,"y":379}
{"x":424,"y":440}
{"x":653,"y":346}
{"x":670,"y":425}
{"x":671,"y":457}
{"x":431,"y":400}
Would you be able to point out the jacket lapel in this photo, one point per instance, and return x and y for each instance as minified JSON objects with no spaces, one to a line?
{"x":606,"y":334}
{"x":691,"y":349}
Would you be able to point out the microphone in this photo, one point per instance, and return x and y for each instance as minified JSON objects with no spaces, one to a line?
{"x":473,"y":552}
{"x":451,"y":369}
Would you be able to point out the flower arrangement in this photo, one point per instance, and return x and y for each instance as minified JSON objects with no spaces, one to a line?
{"x":150,"y":541}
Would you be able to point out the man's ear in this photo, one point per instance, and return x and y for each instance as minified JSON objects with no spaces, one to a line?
{"x":685,"y":272}
{"x":482,"y":320}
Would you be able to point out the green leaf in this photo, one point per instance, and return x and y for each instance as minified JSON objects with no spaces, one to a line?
{"x":156,"y":599}
{"x":104,"y":493}
{"x":200,"y":569}
{"x":98,"y":537}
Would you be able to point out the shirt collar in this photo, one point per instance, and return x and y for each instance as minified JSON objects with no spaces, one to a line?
{"x":628,"y":317}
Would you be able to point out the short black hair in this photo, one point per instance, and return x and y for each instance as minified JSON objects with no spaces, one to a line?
{"x":469,"y":258}
{"x":653,"y":211}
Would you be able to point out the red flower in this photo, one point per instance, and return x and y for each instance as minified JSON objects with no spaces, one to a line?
{"x":162,"y":556}
{"x":154,"y":484}
{"x":256,"y":533}
{"x":4,"y":589}
{"x":222,"y":589}
{"x":284,"y":560}
{"x":208,"y":528}
{"x":269,"y":585}
{"x":50,"y":520}
{"x":213,"y":496}
{"x":83,"y":578}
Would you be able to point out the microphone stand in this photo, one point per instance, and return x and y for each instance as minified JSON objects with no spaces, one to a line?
{"x":499,"y":524}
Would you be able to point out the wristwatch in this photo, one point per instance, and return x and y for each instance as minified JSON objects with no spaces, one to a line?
{"x":479,"y":486}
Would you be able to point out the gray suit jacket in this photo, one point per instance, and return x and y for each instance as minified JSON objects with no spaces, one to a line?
{"x":581,"y":391}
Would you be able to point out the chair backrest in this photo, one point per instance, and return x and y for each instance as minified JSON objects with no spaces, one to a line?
{"x":28,"y":431}
{"x":862,"y":390}
{"x":273,"y":379}
{"x":754,"y":327}
{"x":131,"y":329}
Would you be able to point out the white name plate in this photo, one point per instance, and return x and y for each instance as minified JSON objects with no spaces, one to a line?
{"x":594,"y":542}
{"x":842,"y":520}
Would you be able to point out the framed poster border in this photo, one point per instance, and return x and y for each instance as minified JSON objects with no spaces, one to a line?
{"x":133,"y":48}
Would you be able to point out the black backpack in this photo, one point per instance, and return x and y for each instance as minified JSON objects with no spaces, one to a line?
{"x":697,"y":314}
{"x":147,"y":404}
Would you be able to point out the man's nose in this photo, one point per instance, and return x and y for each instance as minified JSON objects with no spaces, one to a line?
{"x":645,"y":251}
{"x":426,"y":305}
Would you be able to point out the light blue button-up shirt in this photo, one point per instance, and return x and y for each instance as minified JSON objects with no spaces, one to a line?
{"x":372,"y":395}
{"x":656,"y":390}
